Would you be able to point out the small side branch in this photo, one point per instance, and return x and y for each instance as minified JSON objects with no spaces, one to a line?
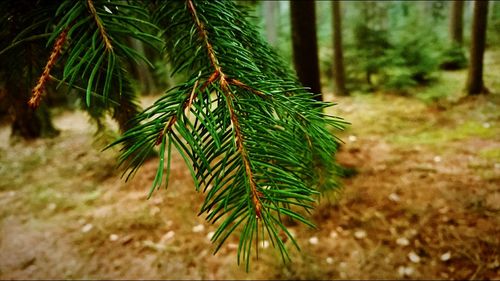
{"x":224,"y":82}
{"x":100,"y":26}
{"x":242,"y":85}
{"x":36,"y":93}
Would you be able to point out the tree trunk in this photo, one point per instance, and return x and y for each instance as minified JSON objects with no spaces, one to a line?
{"x":270,"y":10}
{"x":338,"y":61}
{"x":475,"y":84}
{"x":456,"y":21}
{"x":27,"y":123}
{"x":305,"y":46}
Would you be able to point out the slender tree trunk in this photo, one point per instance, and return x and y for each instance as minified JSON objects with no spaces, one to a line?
{"x":305,"y":46}
{"x":493,"y":13}
{"x":141,"y":70}
{"x":338,"y":61}
{"x":270,"y":11}
{"x":125,"y":113}
{"x":127,"y":107}
{"x":475,"y":84}
{"x":456,"y":21}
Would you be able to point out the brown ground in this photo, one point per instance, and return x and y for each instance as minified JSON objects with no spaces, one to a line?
{"x":424,"y":204}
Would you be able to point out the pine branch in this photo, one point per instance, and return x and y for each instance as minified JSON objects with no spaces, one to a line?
{"x":98,"y":31}
{"x":245,"y":144}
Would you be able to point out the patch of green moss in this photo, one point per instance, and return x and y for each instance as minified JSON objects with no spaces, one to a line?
{"x":442,"y":135}
{"x":492,"y":154}
{"x":45,"y":200}
{"x":450,"y":87}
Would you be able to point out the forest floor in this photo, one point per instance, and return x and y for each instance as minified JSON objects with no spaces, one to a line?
{"x":425,"y":202}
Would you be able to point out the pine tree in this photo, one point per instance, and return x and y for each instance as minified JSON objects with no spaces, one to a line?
{"x":255,"y":141}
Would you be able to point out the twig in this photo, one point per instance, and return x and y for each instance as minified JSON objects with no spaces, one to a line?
{"x":36,"y":93}
{"x":100,"y":26}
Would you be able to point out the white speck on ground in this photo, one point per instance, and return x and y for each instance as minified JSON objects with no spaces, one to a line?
{"x":360,"y":234}
{"x":413,"y":257}
{"x":394,"y":197}
{"x":446,"y":256}
{"x":169,"y":235}
{"x":113,"y":237}
{"x":405,"y":271}
{"x":198,"y":228}
{"x":402,"y":241}
{"x":210,"y":235}
{"x":86,"y":228}
{"x":313,"y":240}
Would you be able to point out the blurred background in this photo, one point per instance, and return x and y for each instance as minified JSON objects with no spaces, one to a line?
{"x":421,"y":158}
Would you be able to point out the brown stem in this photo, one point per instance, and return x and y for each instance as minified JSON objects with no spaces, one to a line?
{"x":36,"y":93}
{"x":240,"y":84}
{"x":191,"y":97}
{"x":102,"y":30}
{"x":241,"y":148}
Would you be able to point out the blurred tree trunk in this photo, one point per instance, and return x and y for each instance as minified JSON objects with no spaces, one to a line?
{"x":338,"y":72}
{"x":475,"y":83}
{"x":141,"y":70}
{"x":27,"y":123}
{"x":305,"y":46}
{"x":125,"y":114}
{"x":270,"y":11}
{"x":456,"y":21}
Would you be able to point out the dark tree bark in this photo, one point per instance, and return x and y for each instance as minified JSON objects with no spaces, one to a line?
{"x":475,"y":84}
{"x":271,"y":8}
{"x":305,"y":46}
{"x":456,"y":21}
{"x":27,"y":123}
{"x":338,"y":61}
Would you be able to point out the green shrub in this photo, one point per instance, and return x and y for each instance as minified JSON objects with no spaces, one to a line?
{"x":453,"y":58}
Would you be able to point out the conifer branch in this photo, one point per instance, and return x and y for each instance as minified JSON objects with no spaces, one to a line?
{"x":36,"y":94}
{"x":247,"y":144}
{"x":100,"y":26}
